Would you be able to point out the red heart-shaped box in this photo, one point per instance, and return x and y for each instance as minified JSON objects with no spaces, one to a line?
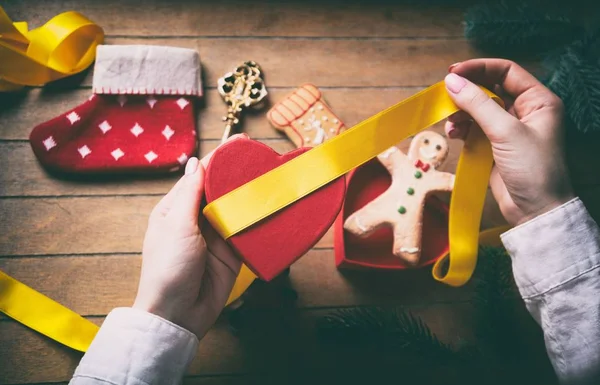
{"x":375,"y":252}
{"x":271,"y":245}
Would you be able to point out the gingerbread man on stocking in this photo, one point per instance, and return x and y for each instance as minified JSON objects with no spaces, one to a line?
{"x":414,"y":177}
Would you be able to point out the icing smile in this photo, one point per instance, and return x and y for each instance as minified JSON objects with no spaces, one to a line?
{"x":427,"y":155}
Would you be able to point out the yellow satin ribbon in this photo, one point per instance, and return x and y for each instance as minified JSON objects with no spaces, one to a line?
{"x":280,"y":187}
{"x":242,"y":283}
{"x":55,"y":321}
{"x":44,"y":315}
{"x":64,"y":46}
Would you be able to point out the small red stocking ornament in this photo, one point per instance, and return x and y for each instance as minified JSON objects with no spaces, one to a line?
{"x":140,"y":117}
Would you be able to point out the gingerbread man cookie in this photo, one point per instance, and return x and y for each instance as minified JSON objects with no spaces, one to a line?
{"x":401,"y":206}
{"x":305,"y":118}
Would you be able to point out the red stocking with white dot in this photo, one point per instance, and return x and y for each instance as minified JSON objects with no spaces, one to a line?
{"x":140,"y":117}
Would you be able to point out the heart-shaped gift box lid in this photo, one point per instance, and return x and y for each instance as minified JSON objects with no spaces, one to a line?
{"x":274,"y":243}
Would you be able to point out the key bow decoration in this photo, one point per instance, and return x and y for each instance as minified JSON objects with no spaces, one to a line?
{"x":244,"y":87}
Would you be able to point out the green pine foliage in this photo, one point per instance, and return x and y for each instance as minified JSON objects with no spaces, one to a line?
{"x":575,"y":78}
{"x":494,"y":279}
{"x":385,"y":329}
{"x":533,"y":28}
{"x":383,"y":345}
{"x":495,"y":297}
{"x":517,"y":28}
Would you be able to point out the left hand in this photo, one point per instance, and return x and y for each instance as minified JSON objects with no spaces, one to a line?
{"x":187,"y":273}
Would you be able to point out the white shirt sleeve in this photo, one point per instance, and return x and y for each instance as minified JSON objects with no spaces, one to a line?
{"x":556,"y":260}
{"x":136,"y":348}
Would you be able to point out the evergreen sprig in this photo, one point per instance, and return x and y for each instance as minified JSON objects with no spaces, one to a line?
{"x":391,"y":330}
{"x":517,"y":28}
{"x":575,"y":78}
{"x":382,"y":345}
{"x":495,"y":297}
{"x":493,"y":277}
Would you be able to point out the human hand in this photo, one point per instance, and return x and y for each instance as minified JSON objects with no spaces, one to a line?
{"x":530,"y":175}
{"x":188,"y":270}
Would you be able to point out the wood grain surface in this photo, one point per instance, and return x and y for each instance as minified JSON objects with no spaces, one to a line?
{"x":78,"y":240}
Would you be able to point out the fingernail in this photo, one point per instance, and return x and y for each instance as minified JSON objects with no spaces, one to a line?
{"x":191,"y":166}
{"x":452,"y":133}
{"x":453,"y":65}
{"x":455,"y":83}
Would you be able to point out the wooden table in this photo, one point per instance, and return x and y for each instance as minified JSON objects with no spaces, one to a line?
{"x":79,"y":241}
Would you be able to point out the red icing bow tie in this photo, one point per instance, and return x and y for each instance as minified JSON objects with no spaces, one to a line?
{"x":422,"y":166}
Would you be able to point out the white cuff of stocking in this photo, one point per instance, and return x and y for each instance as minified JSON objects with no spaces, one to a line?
{"x":146,"y":70}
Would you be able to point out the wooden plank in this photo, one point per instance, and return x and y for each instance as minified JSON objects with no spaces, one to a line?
{"x":324,"y":62}
{"x":30,"y":357}
{"x":28,"y":178}
{"x":19,"y":115}
{"x":73,"y":225}
{"x":88,"y":225}
{"x":259,"y":18}
{"x":94,"y":285}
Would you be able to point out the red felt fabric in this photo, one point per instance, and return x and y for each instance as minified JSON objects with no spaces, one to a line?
{"x":273,"y":244}
{"x":118,"y":133}
{"x":375,"y":252}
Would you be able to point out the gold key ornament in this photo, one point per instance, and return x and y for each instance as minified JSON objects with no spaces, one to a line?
{"x":242,"y":88}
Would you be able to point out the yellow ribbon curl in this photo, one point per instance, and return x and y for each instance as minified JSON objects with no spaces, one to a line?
{"x":64,"y":46}
{"x":282,"y":186}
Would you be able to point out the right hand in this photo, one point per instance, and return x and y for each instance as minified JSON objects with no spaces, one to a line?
{"x":530,"y":175}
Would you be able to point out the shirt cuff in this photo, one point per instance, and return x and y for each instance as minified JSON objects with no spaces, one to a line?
{"x":554,"y":248}
{"x":138,"y":348}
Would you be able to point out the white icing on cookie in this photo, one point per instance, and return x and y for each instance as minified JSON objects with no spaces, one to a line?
{"x":410,"y":250}
{"x":359,"y":224}
{"x":427,"y":155}
{"x":320,"y":137}
{"x":386,"y":154}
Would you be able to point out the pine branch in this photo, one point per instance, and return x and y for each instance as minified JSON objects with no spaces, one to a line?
{"x":379,"y":345}
{"x":518,"y":28}
{"x":383,"y":330}
{"x":494,"y":276}
{"x":576,"y":80}
{"x":496,"y":298}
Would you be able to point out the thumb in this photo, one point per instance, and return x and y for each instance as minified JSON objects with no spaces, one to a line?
{"x":497,"y":124}
{"x":189,"y":196}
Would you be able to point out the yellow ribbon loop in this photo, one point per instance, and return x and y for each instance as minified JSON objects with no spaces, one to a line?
{"x":64,"y":46}
{"x":280,"y":187}
{"x":44,"y":315}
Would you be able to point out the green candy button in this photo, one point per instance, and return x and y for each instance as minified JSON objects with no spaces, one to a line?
{"x":418,"y":174}
{"x":402,"y":210}
{"x":410,"y":191}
